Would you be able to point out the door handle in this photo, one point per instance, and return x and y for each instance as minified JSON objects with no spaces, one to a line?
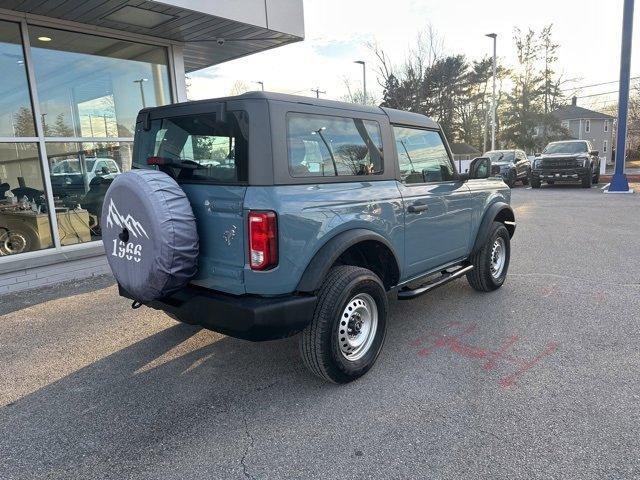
{"x":417,"y":208}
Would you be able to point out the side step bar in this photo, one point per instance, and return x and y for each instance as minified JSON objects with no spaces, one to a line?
{"x":446,"y":277}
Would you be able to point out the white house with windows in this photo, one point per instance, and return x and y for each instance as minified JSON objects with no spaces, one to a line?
{"x":75,"y":73}
{"x":585,"y":124}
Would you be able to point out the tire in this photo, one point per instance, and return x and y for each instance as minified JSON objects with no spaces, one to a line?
{"x":17,"y":241}
{"x":525,"y":180}
{"x":511,"y":182}
{"x":586,"y":180}
{"x":486,"y":275}
{"x":321,"y":344}
{"x":535,"y":183}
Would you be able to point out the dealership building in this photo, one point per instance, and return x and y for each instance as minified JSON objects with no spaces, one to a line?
{"x":74,"y":74}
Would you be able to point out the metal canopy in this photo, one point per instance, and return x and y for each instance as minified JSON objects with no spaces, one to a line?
{"x":212,"y":32}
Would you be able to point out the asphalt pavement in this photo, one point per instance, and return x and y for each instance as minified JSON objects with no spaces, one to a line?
{"x":537,"y":380}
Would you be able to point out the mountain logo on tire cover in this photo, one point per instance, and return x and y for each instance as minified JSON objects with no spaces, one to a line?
{"x":131,"y":224}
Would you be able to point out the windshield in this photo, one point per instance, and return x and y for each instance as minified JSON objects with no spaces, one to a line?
{"x":566,"y":147}
{"x":72,"y":166}
{"x":500,"y":156}
{"x":196,"y":147}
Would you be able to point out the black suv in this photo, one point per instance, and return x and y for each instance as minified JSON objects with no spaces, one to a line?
{"x":514,"y":165}
{"x":570,"y":160}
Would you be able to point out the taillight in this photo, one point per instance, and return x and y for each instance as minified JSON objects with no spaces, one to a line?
{"x":263,"y":240}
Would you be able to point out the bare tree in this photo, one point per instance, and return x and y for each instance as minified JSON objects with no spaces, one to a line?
{"x":239,"y":87}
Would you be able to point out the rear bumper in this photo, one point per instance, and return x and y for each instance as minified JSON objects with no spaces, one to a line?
{"x":246,"y":316}
{"x":566,"y":174}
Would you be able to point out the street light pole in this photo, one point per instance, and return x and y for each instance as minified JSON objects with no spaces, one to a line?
{"x":261,"y":85}
{"x":140,"y":82}
{"x":619,"y":182}
{"x":364,"y":80}
{"x":493,"y":97}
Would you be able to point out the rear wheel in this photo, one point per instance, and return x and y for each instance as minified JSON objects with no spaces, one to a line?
{"x":491,"y":262}
{"x":349,"y":325}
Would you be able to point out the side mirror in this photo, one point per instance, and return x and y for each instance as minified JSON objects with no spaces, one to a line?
{"x":594,"y":152}
{"x":480,"y":168}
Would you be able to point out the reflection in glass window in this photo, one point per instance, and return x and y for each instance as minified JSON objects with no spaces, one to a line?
{"x":81,"y":173}
{"x":93,"y":87}
{"x":320,"y":146}
{"x":16,"y":116}
{"x":197,"y":147}
{"x":422,"y":156}
{"x":24,"y":220}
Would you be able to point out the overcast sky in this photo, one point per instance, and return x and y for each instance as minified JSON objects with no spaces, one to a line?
{"x":337,"y":32}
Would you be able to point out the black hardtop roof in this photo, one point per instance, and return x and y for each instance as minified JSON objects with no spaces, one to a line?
{"x":395,"y":116}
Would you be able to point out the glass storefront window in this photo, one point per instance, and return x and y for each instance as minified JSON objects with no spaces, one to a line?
{"x":16,"y":115}
{"x":90,"y":89}
{"x":81,"y":173}
{"x":24,"y":218}
{"x":93,"y":87}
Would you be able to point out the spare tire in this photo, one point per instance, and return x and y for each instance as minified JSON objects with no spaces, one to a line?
{"x":149,"y":234}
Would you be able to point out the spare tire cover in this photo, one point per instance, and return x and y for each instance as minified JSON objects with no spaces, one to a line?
{"x":149,"y":234}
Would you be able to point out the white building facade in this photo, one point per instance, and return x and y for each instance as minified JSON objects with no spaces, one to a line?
{"x":74,"y":76}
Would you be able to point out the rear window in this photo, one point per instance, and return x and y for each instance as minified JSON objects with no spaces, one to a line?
{"x":326,"y":146}
{"x":196,"y":147}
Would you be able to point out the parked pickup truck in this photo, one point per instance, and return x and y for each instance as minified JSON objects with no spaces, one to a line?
{"x":266,"y":215}
{"x":567,"y":161}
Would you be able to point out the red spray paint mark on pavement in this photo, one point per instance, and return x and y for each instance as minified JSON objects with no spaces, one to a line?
{"x":451,"y":338}
{"x":510,"y":380}
{"x":500,"y":353}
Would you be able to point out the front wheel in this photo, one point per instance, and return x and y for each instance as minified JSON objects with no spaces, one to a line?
{"x":586,"y":180}
{"x":525,"y":180}
{"x":349,"y":325}
{"x":491,"y":261}
{"x":535,"y":182}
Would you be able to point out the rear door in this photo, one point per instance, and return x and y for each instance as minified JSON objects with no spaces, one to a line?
{"x":436,"y":203}
{"x":208,"y":157}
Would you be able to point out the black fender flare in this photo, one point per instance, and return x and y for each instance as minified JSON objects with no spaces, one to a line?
{"x":326,"y":256}
{"x":497,"y":210}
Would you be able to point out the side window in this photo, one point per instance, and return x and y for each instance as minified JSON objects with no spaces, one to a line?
{"x":326,"y":146}
{"x":422,"y":156}
{"x":113,"y":167}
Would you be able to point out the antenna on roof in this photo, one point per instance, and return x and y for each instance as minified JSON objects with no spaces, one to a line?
{"x":318,"y":91}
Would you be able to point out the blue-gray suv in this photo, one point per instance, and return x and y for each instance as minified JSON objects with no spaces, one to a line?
{"x":266,"y":215}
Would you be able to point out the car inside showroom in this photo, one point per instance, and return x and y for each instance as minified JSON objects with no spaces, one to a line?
{"x":75,"y":76}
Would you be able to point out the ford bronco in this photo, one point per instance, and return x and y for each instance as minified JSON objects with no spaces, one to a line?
{"x":265,"y":215}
